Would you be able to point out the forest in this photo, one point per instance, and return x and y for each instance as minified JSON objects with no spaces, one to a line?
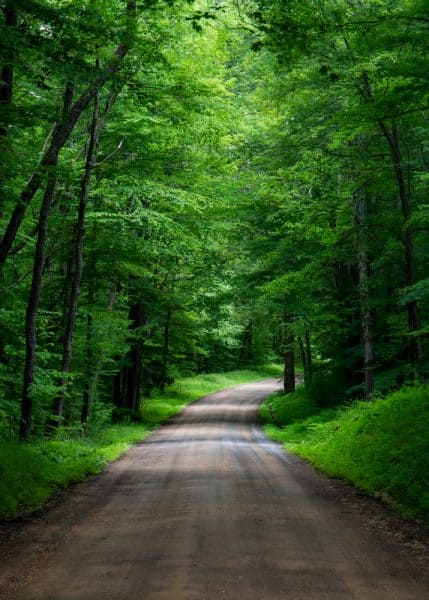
{"x":199,"y":187}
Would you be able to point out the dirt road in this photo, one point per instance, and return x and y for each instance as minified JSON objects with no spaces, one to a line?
{"x":208,"y":508}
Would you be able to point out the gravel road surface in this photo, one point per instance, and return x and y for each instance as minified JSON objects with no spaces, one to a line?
{"x":208,"y":508}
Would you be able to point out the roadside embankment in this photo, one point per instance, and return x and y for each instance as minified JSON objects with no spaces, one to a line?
{"x":382,"y":446}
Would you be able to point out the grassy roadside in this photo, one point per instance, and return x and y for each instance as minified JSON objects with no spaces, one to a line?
{"x":382,"y":447}
{"x":161,"y":407}
{"x":31,"y":473}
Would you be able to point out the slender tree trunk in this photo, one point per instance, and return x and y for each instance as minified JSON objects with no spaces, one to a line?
{"x":127,"y":382}
{"x":61,"y":135}
{"x":6,"y":96}
{"x":33,"y":305}
{"x":79,"y":244}
{"x":135,"y":370}
{"x":303,"y":360}
{"x":366,"y":321}
{"x":118,"y":388}
{"x":6,"y":84}
{"x":95,"y":372}
{"x":35,"y":291}
{"x":89,"y":375}
{"x":308,"y":355}
{"x":6,"y":77}
{"x":165,"y":351}
{"x":289,"y":355}
{"x":392,"y":137}
{"x":246,"y":346}
{"x":134,"y":381}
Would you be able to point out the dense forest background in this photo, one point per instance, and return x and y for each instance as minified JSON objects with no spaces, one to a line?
{"x":191,"y":187}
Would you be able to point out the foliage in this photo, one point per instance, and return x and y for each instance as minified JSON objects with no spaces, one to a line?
{"x":158,"y":297}
{"x":335,"y":208}
{"x":283,"y":409}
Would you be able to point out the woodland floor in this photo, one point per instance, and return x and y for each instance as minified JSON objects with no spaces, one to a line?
{"x":208,"y":508}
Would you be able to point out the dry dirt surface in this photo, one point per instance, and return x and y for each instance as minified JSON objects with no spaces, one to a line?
{"x":208,"y":508}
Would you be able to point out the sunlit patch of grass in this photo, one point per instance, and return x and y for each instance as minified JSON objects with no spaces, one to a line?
{"x":160,"y":407}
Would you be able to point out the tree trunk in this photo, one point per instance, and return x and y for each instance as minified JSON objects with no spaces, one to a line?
{"x":135,"y":370}
{"x":95,"y":371}
{"x":127,"y":382}
{"x":134,"y":381}
{"x":61,"y":135}
{"x":33,"y":305}
{"x":392,"y":137}
{"x":79,"y":244}
{"x":289,"y":355}
{"x":165,"y":351}
{"x":86,"y":398}
{"x":303,"y":360}
{"x":246,"y":345}
{"x":366,"y":321}
{"x":6,"y":77}
{"x":309,"y":356}
{"x":118,"y":388}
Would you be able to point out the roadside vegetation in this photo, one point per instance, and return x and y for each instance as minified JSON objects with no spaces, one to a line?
{"x":31,"y":473}
{"x":382,"y":447}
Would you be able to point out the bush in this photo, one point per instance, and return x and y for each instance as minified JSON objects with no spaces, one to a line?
{"x":283,"y":409}
{"x":328,"y":389}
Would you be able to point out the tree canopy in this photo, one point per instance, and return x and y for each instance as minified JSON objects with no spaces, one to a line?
{"x":188,"y":187}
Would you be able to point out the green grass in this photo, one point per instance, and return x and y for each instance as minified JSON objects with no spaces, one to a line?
{"x":281,"y":409}
{"x":382,"y":447}
{"x":186,"y":390}
{"x":31,"y":473}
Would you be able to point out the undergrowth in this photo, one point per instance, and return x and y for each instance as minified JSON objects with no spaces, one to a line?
{"x":30,"y":473}
{"x":282,"y":410}
{"x":382,"y":447}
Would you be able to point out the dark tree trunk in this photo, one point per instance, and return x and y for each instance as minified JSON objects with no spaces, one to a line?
{"x":289,"y":355}
{"x":95,"y":371}
{"x":132,"y":399}
{"x":392,"y":137}
{"x":303,"y":360}
{"x":119,"y":388}
{"x":366,"y":321}
{"x":33,"y":305}
{"x":89,"y":375}
{"x":127,"y":384}
{"x":308,"y":356}
{"x":79,"y":244}
{"x":135,"y":371}
{"x":6,"y":77}
{"x":6,"y":96}
{"x":61,"y":135}
{"x":246,"y":346}
{"x":165,"y":351}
